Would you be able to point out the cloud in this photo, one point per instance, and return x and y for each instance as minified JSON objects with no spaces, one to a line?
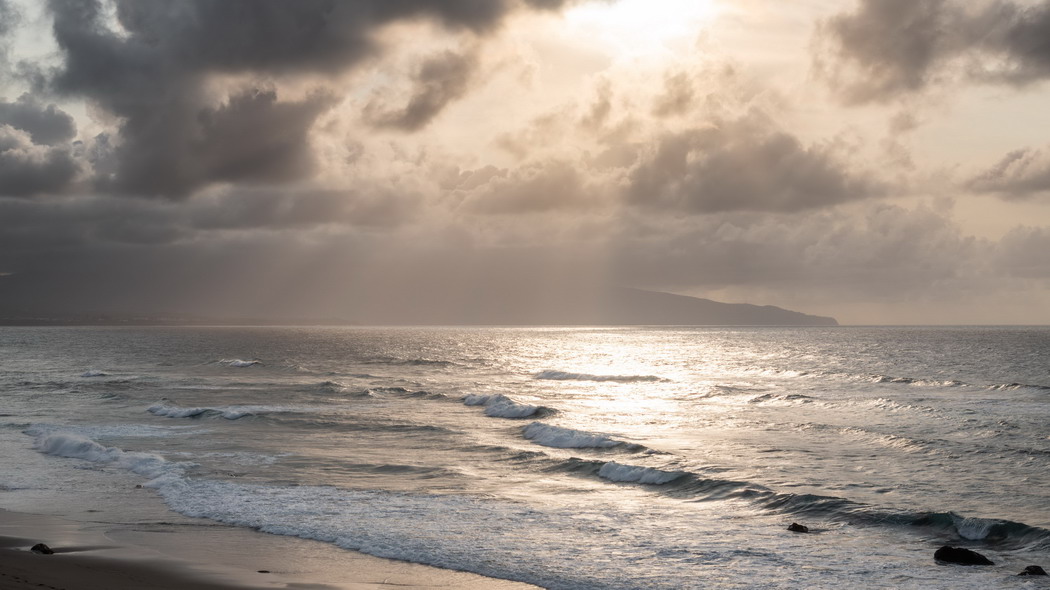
{"x":251,"y":137}
{"x":1022,"y":253}
{"x":1021,"y":174}
{"x":872,"y":253}
{"x":10,"y":17}
{"x":45,"y":125}
{"x":440,"y":80}
{"x":547,"y":186}
{"x":27,"y":169}
{"x":890,"y":48}
{"x":743,"y":165}
{"x":155,"y":65}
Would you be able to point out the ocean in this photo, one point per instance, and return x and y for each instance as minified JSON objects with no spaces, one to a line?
{"x":566,"y":457}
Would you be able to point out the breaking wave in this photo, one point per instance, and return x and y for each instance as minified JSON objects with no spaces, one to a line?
{"x":171,"y":411}
{"x":1017,"y":386}
{"x":567,"y":438}
{"x":501,"y":406}
{"x":618,"y":472}
{"x":239,"y":363}
{"x":75,"y":446}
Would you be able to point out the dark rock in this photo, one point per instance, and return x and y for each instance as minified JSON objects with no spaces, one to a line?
{"x":41,"y":549}
{"x":961,"y":556}
{"x":798,"y":528}
{"x":264,"y":571}
{"x":1033,"y":570}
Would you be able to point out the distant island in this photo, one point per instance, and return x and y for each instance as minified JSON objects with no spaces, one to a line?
{"x":616,"y":306}
{"x":635,"y":306}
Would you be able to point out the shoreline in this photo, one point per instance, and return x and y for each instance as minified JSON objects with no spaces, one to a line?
{"x":205,"y":556}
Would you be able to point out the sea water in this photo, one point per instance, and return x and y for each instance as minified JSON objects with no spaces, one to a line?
{"x":569,"y":458}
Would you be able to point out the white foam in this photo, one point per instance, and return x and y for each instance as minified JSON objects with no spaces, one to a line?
{"x":567,"y":438}
{"x":239,"y":363}
{"x":618,"y":472}
{"x":94,"y":373}
{"x":565,"y":376}
{"x":75,"y":446}
{"x":501,"y":406}
{"x":973,"y":529}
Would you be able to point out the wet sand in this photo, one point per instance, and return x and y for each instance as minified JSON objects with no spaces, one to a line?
{"x":198,"y":555}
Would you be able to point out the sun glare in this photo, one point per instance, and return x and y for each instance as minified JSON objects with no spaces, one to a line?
{"x":638,"y":27}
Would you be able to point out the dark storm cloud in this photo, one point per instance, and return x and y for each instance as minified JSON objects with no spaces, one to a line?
{"x":439,"y":81}
{"x":252,"y":137}
{"x":28,"y":169}
{"x":743,"y":166}
{"x":90,"y":221}
{"x":1021,"y":174}
{"x":45,"y":125}
{"x":891,"y":47}
{"x":151,"y":70}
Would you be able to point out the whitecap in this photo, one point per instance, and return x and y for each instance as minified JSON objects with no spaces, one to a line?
{"x":619,"y":472}
{"x":239,"y":363}
{"x":567,"y":438}
{"x":172,"y":411}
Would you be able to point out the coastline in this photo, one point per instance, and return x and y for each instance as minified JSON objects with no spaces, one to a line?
{"x":171,"y":556}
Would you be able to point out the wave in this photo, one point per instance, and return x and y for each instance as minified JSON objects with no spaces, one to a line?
{"x":788,"y":399}
{"x":564,"y":376}
{"x":110,"y":430}
{"x":421,"y":394}
{"x":430,"y":528}
{"x":1016,"y":386}
{"x":94,"y":373}
{"x":693,"y":486}
{"x":410,"y":362}
{"x":916,"y":381}
{"x":890,"y":405}
{"x":239,"y":363}
{"x":887,"y":440}
{"x":76,"y":446}
{"x":1004,"y":533}
{"x":567,"y":438}
{"x":501,"y":406}
{"x":618,"y":472}
{"x":230,"y":413}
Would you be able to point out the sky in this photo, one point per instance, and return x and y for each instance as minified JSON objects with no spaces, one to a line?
{"x":879,"y":161}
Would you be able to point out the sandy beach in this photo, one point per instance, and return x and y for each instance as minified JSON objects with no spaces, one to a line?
{"x":114,"y":556}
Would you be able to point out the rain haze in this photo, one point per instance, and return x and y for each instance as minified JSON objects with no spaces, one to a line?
{"x":879,"y":161}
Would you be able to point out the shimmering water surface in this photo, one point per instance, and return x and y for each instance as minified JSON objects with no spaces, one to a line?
{"x":564,"y":457}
